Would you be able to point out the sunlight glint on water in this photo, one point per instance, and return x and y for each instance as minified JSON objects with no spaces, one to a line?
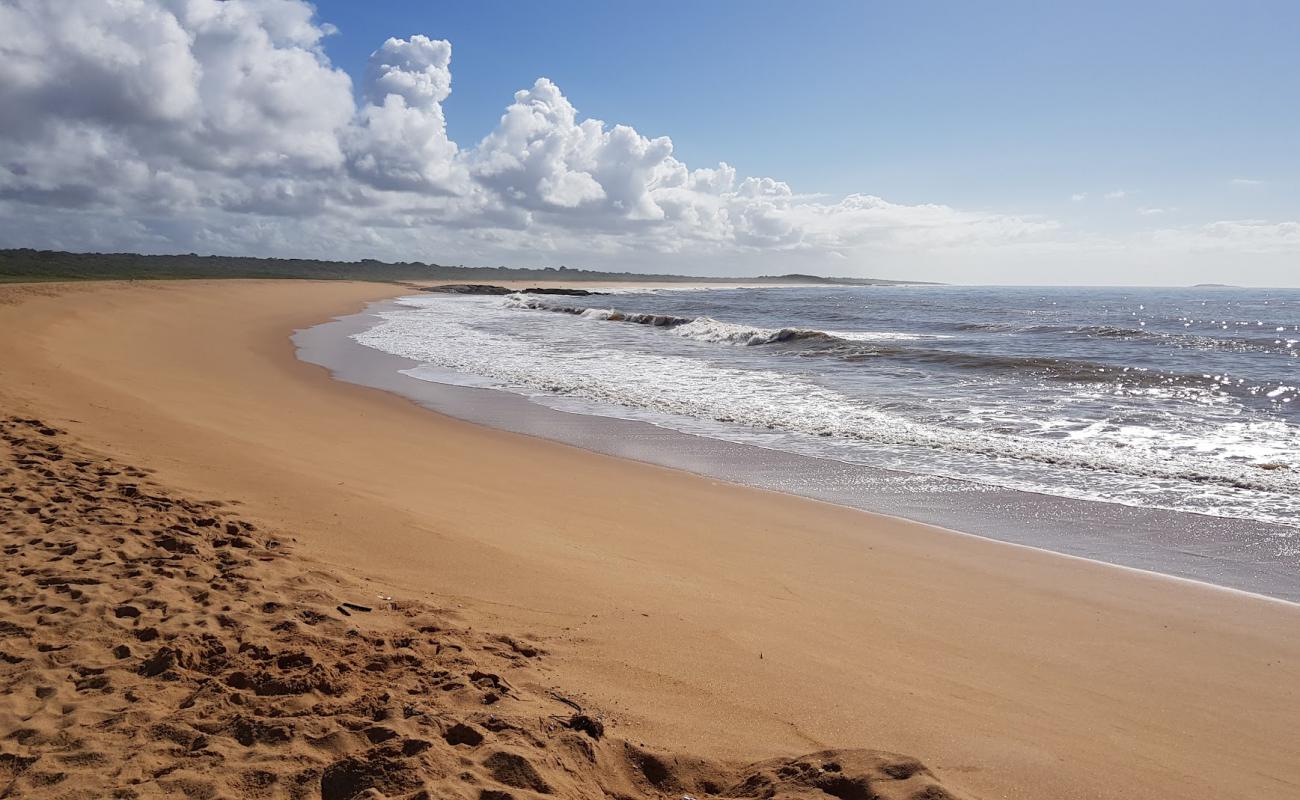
{"x":1178,"y":399}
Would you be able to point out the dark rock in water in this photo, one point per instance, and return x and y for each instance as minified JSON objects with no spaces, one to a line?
{"x":468,"y":288}
{"x":489,"y":289}
{"x":568,"y":292}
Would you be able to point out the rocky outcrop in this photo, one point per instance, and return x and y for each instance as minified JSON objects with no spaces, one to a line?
{"x":489,"y":289}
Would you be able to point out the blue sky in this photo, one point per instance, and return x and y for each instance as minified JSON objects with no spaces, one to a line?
{"x":1013,"y":106}
{"x":1012,"y":142}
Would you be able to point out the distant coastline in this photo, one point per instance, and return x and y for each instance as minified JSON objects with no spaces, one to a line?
{"x":24,"y":265}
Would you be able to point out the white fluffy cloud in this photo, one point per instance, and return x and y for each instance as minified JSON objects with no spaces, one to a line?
{"x":138,"y":105}
{"x":400,"y":139}
{"x":221,"y":126}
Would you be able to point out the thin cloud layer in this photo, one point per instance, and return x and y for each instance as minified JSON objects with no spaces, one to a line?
{"x":221,"y":126}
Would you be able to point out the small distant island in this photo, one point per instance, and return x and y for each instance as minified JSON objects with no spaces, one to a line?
{"x":23,"y":265}
{"x":1214,"y":286}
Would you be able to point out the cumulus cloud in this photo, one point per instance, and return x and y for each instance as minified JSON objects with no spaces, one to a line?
{"x":400,"y":139}
{"x":222,"y":126}
{"x":187,"y":104}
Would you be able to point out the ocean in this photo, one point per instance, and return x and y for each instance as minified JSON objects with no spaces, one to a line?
{"x":1180,"y":399}
{"x":1157,"y":429}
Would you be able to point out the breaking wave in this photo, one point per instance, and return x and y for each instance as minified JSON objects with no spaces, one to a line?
{"x":852,"y":347}
{"x":916,"y":397}
{"x":704,"y":329}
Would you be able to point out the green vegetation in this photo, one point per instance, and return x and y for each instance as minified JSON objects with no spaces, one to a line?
{"x":23,"y":265}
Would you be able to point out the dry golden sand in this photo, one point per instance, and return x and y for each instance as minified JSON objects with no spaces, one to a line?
{"x":156,"y":645}
{"x":1009,"y":672}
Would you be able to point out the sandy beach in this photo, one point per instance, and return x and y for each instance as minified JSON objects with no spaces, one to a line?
{"x":714,"y":625}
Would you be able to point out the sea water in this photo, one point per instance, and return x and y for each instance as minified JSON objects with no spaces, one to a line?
{"x":1179,"y":399}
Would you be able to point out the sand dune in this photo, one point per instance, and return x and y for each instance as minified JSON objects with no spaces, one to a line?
{"x":156,"y":645}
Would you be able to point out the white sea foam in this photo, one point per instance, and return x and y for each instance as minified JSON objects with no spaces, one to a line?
{"x":886,"y":336}
{"x":706,"y":329}
{"x":1228,"y":471}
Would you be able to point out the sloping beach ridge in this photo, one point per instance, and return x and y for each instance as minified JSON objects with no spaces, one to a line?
{"x":229,"y":575}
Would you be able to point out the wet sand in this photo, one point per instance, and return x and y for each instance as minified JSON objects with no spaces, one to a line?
{"x":714,"y":621}
{"x":1256,"y":557}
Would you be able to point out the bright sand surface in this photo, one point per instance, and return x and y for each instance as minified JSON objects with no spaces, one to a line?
{"x":702,"y":617}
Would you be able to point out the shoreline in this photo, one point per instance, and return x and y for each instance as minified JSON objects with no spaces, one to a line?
{"x":1222,"y":552}
{"x":1015,"y":671}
